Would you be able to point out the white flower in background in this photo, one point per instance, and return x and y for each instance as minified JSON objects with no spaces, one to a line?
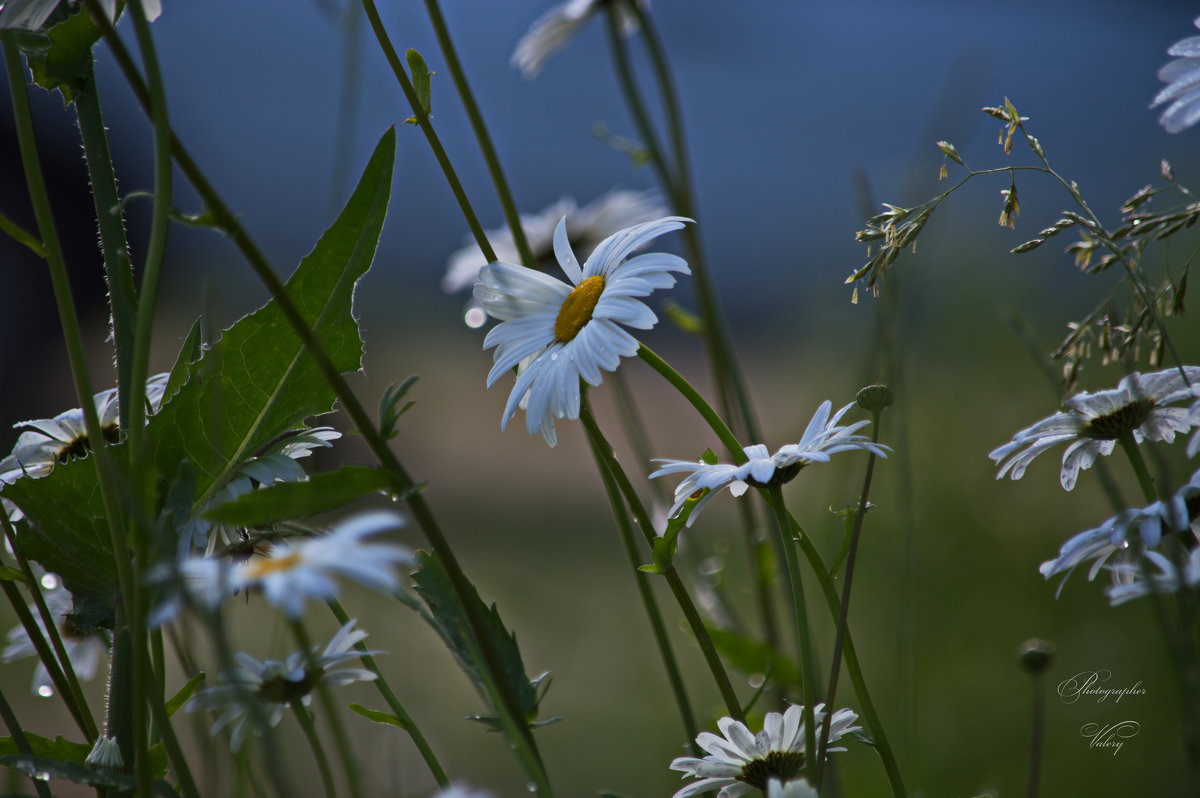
{"x":84,"y":650}
{"x":822,"y":438}
{"x":1183,"y":85}
{"x":1092,"y":422}
{"x":1113,"y":543}
{"x":105,"y":754}
{"x":559,"y":333}
{"x":291,"y":571}
{"x":586,"y":226}
{"x":271,"y":686}
{"x":741,"y":761}
{"x":792,"y":789}
{"x":554,"y":29}
{"x":50,"y":441}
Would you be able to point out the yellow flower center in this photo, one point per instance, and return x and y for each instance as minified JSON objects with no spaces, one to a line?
{"x":577,"y":308}
{"x":271,"y":565}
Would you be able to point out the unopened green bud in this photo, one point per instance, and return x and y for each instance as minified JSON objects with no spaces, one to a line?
{"x":1035,"y":655}
{"x":875,"y":398}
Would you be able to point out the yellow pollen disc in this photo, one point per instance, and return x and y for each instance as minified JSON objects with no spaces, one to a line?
{"x":577,"y":308}
{"x":273,"y":564}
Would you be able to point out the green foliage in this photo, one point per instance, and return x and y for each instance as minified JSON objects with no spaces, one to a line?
{"x":63,"y":759}
{"x":61,"y":58}
{"x":189,"y":353}
{"x":751,"y":656}
{"x":388,"y":414}
{"x":420,"y":82}
{"x":280,"y":502}
{"x":450,"y":620}
{"x":185,"y":692}
{"x":259,"y":380}
{"x":375,"y":716}
{"x":37,"y":766}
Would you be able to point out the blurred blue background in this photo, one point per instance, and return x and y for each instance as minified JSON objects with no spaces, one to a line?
{"x":796,"y":113}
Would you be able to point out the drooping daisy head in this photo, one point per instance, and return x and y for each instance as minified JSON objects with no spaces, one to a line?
{"x":741,"y":761}
{"x":553,"y":30}
{"x":557,"y":333}
{"x":1092,"y":423}
{"x":1183,"y":85}
{"x":47,"y":442}
{"x":822,"y":438}
{"x":255,"y":695}
{"x":587,"y":226}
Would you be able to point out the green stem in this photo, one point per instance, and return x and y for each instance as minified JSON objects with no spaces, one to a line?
{"x":389,"y":696}
{"x":728,"y":439}
{"x":345,"y":752}
{"x":73,"y":338}
{"x":807,"y":659}
{"x":515,"y":725}
{"x":603,"y":449}
{"x":1139,"y":465}
{"x":647,"y":595}
{"x":418,"y":109}
{"x":22,"y":742}
{"x":314,"y":745}
{"x":1037,"y":732}
{"x":113,"y":245}
{"x":511,"y":215}
{"x":175,"y":755}
{"x":843,"y":617}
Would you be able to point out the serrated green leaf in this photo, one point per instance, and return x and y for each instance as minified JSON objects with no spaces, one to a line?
{"x":450,"y":621}
{"x":185,"y":692}
{"x":376,"y":716}
{"x":189,"y":353}
{"x":59,"y":748}
{"x":751,"y":656}
{"x":288,"y":500}
{"x":67,"y":533}
{"x":258,"y":381}
{"x":66,"y":64}
{"x":81,"y":774}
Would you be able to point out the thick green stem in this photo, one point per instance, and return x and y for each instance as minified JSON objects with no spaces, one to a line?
{"x":422,"y":117}
{"x":118,"y":269}
{"x":389,"y":696}
{"x":601,"y":446}
{"x":1036,"y":735}
{"x":511,"y":215}
{"x":620,"y":516}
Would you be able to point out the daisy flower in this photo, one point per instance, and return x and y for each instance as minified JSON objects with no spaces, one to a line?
{"x":1132,"y":580}
{"x":271,"y":686}
{"x":588,"y":226}
{"x":1092,"y":423}
{"x":554,"y":29}
{"x":51,"y":441}
{"x":822,"y":438}
{"x":1114,"y":539}
{"x":289,"y":573}
{"x":84,"y":650}
{"x":1183,"y":85}
{"x":741,"y":761}
{"x":559,"y":333}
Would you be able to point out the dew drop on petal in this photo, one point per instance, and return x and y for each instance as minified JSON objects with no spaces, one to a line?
{"x":45,"y":691}
{"x":474,"y":318}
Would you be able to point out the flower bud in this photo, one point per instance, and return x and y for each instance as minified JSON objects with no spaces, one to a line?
{"x":1035,"y":655}
{"x":875,"y":398}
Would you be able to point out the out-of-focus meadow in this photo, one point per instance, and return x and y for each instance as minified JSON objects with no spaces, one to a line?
{"x":801,"y":120}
